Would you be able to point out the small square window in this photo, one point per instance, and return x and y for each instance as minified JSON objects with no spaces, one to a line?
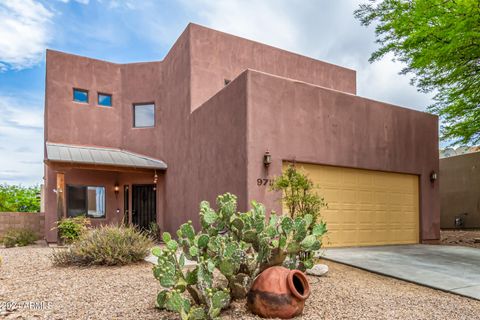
{"x":104,"y":99}
{"x":80,"y":95}
{"x":143,"y":115}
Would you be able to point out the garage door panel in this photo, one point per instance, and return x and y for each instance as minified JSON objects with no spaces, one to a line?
{"x":348,"y":196}
{"x":333,"y":194}
{"x":366,"y":218}
{"x":367,"y":207}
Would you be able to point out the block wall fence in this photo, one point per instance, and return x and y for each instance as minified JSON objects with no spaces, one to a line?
{"x":34,"y":221}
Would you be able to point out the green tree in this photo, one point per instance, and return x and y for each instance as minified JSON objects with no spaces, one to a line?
{"x":439,"y":41}
{"x":17,"y":198}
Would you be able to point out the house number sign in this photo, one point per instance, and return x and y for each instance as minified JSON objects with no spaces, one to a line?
{"x":264,"y":182}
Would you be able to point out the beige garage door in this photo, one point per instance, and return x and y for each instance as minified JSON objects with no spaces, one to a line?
{"x":367,"y":207}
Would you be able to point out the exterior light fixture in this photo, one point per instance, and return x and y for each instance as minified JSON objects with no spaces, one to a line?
{"x":267,"y":159}
{"x":116,"y":188}
{"x":155,"y":177}
{"x":433,"y":176}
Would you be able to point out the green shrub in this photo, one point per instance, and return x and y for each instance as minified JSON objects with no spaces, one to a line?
{"x":105,"y":245}
{"x":70,"y":229}
{"x":239,"y":246}
{"x":19,"y":238}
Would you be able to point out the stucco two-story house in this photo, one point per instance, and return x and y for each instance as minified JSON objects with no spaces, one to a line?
{"x":146,"y":142}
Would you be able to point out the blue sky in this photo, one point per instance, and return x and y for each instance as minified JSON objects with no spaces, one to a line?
{"x":144,"y":30}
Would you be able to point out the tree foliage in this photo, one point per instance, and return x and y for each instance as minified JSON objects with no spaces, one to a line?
{"x":17,"y":198}
{"x":439,"y":41}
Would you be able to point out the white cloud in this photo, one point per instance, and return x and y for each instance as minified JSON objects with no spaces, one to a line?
{"x":21,"y":140}
{"x":265,"y":21}
{"x":322,"y":29}
{"x":113,"y":4}
{"x":79,"y":1}
{"x":24,"y":33}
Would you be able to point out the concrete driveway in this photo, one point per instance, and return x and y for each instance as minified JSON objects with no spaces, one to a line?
{"x":450,"y":268}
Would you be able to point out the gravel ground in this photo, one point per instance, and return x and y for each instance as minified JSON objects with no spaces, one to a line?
{"x":129,"y":292}
{"x":460,"y":238}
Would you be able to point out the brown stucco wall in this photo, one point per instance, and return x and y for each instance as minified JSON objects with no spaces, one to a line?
{"x":217,"y":56}
{"x":213,"y":136}
{"x":34,"y":221}
{"x":460,"y":190}
{"x":141,"y":83}
{"x":175,"y":95}
{"x":105,"y":179}
{"x":218,"y":152}
{"x":306,"y":123}
{"x":82,"y":123}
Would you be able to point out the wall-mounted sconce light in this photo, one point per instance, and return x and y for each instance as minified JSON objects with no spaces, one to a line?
{"x":155,"y":177}
{"x":433,"y":176}
{"x":116,"y":188}
{"x":267,"y":159}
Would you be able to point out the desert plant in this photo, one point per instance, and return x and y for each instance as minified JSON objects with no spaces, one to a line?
{"x":238,"y":245}
{"x":105,"y":245}
{"x":153,"y":231}
{"x":19,"y":238}
{"x":300,"y":199}
{"x":298,"y":194}
{"x":70,"y":229}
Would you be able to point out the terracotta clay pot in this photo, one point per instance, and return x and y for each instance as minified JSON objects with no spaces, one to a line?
{"x":278,"y":293}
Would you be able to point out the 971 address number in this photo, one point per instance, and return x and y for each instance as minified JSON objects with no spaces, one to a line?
{"x":264,"y":182}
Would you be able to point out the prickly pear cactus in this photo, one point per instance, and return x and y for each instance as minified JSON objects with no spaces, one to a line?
{"x":237,"y":246}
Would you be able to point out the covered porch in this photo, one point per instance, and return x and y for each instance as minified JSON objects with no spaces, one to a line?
{"x":107,"y":185}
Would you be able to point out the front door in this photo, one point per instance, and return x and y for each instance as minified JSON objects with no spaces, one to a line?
{"x":144,"y":205}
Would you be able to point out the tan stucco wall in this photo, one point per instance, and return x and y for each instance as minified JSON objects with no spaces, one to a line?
{"x":34,"y":221}
{"x":460,"y":190}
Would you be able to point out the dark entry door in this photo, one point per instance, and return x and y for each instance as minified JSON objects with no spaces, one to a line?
{"x":144,"y":205}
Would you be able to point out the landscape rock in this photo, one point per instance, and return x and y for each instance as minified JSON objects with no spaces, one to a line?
{"x":318,"y":270}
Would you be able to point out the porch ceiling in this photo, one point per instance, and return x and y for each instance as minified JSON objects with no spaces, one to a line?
{"x":100,"y":156}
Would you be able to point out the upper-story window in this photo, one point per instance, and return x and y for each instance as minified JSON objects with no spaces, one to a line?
{"x":104,"y":99}
{"x":80,"y":95}
{"x":143,"y":115}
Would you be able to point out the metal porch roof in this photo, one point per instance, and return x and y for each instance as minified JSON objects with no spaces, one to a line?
{"x":100,"y":156}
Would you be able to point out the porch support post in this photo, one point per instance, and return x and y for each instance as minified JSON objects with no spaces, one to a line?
{"x":60,"y":195}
